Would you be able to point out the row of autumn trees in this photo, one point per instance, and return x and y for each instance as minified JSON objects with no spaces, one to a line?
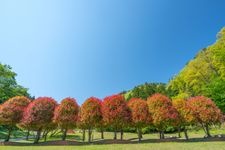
{"x":44,"y":114}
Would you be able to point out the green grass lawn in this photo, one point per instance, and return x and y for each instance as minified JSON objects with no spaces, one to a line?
{"x":147,"y":146}
{"x":150,"y":142}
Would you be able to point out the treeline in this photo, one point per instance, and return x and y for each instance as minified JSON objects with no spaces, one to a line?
{"x":145,"y":90}
{"x":43,"y":115}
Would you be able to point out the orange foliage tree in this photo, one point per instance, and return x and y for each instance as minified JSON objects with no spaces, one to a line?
{"x":205,"y":112}
{"x":185,"y":115}
{"x":66,"y":115}
{"x":90,"y":114}
{"x":163,"y":113}
{"x":116,"y":113}
{"x":140,"y":116}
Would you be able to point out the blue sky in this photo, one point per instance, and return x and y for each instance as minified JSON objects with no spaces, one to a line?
{"x":83,"y":48}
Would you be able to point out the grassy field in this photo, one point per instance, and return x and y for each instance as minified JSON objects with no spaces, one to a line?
{"x":150,"y":142}
{"x":144,"y":146}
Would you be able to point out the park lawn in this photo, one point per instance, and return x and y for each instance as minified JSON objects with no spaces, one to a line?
{"x":195,"y":143}
{"x":144,"y":146}
{"x":127,"y":136}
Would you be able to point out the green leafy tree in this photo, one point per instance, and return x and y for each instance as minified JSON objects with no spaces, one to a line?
{"x":216,"y":91}
{"x":8,"y":85}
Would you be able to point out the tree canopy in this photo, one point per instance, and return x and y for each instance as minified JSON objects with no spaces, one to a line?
{"x":8,"y":85}
{"x":145,"y":90}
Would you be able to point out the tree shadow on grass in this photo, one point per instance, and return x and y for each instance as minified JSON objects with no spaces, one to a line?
{"x":109,"y":141}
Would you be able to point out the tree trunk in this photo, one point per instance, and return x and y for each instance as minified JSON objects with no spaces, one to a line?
{"x":55,"y":132}
{"x":179,"y":128}
{"x":121,"y":134}
{"x":45,"y":137}
{"x":89,"y":135}
{"x":115,"y":135}
{"x":102,"y":134}
{"x":139,"y":134}
{"x":204,"y":128}
{"x":207,"y":130}
{"x":43,"y":134}
{"x":9,"y":134}
{"x":92,"y":135}
{"x":162,"y":135}
{"x":185,"y":134}
{"x":83,"y":135}
{"x":28,"y":134}
{"x":64,"y":134}
{"x":37,"y":136}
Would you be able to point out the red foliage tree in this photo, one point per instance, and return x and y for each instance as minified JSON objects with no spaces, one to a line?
{"x":116,"y":113}
{"x":185,"y":115}
{"x":162,"y":112}
{"x":39,"y":114}
{"x":205,"y":112}
{"x":11,"y":112}
{"x":90,"y":114}
{"x":140,"y":116}
{"x":66,"y":115}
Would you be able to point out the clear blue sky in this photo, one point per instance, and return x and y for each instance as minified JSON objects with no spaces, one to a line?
{"x":83,"y":48}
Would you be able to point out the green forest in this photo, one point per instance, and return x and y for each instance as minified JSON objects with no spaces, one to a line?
{"x":203,"y":75}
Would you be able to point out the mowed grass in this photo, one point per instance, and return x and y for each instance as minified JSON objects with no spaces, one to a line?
{"x":144,"y":146}
{"x":150,"y":142}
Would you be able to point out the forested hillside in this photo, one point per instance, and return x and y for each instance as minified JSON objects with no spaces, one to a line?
{"x":203,"y":75}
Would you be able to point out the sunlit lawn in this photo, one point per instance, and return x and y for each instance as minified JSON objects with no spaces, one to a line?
{"x":196,"y":143}
{"x":144,"y":146}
